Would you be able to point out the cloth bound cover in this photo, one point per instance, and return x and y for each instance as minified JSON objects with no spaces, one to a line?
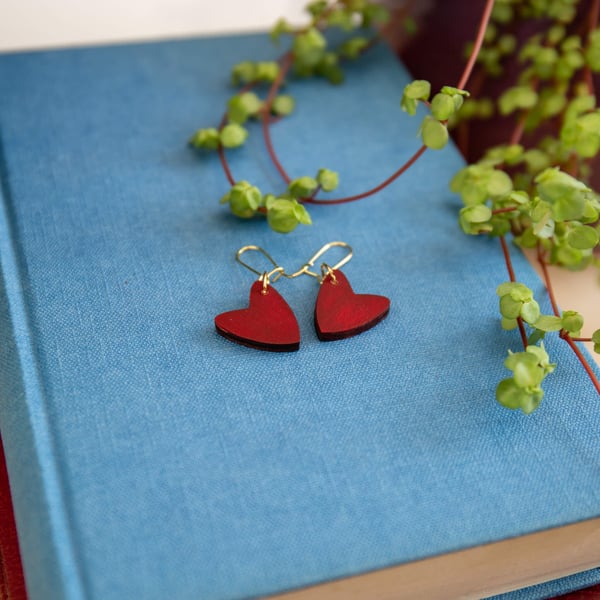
{"x":150,"y":457}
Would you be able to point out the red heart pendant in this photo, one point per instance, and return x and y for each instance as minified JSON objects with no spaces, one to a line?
{"x":340,"y":313}
{"x":267,"y":324}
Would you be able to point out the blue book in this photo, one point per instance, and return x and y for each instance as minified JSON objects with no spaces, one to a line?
{"x":150,"y":457}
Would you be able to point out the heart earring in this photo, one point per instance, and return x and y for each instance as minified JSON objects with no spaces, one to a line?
{"x":268,"y":323}
{"x":340,"y":312}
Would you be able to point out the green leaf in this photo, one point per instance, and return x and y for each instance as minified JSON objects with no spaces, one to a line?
{"x":442,"y":107}
{"x":499,"y":184}
{"x":453,"y":91}
{"x":530,"y":312}
{"x":280,"y":27}
{"x":509,"y":308}
{"x":244,"y":72}
{"x":375,"y":13}
{"x":266,"y":71}
{"x":418,"y":90}
{"x":283,"y":105}
{"x":582,"y":237}
{"x":282,"y":215}
{"x":328,"y":180}
{"x":596,"y":340}
{"x":518,"y":97}
{"x":353,"y":47}
{"x":532,"y":401}
{"x":301,"y":214}
{"x":205,"y":138}
{"x":243,"y":106}
{"x":233,"y":135}
{"x":244,"y":199}
{"x":509,"y":324}
{"x":572,"y":322}
{"x":309,"y":47}
{"x":409,"y":105}
{"x":480,"y":213}
{"x":548,"y":323}
{"x":433,"y":133}
{"x":509,"y":394}
{"x":302,"y":187}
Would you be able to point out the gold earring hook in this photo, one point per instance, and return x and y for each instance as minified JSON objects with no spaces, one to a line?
{"x":265,"y":276}
{"x":305,"y":269}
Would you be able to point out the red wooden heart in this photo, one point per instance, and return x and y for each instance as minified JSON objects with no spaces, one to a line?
{"x":340,"y":313}
{"x":267,"y":324}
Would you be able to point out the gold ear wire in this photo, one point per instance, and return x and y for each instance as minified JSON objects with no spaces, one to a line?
{"x":265,"y":276}
{"x":305,"y":269}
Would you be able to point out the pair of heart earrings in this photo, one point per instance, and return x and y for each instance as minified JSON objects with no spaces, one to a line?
{"x":270,"y":324}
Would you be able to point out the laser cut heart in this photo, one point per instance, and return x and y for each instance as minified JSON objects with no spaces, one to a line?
{"x":340,"y":313}
{"x":267,"y":324}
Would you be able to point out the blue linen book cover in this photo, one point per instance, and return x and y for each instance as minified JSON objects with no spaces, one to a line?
{"x":149,"y":457}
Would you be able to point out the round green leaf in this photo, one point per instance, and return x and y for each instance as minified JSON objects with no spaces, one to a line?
{"x":282,"y":216}
{"x":205,"y":138}
{"x":530,"y":311}
{"x":499,"y":184}
{"x":302,"y":187}
{"x":442,"y":107}
{"x":418,"y":90}
{"x":244,"y":199}
{"x":328,"y":180}
{"x":548,"y":323}
{"x":582,"y":237}
{"x":233,"y":135}
{"x":572,"y":322}
{"x":509,"y":394}
{"x":434,"y":133}
{"x":283,"y":105}
{"x":509,"y":308}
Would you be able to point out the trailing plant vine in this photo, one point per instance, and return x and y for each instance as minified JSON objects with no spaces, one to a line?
{"x":534,"y":188}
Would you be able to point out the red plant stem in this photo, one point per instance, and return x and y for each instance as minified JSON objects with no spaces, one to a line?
{"x":511,"y":276}
{"x":544,"y":266}
{"x":499,"y":211}
{"x":487,"y":11}
{"x":583,"y":361}
{"x":285,"y":63}
{"x":377,"y":188}
{"x":225,"y":165}
{"x":563,"y":334}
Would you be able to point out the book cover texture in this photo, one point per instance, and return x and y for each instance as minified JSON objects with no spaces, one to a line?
{"x":150,"y":457}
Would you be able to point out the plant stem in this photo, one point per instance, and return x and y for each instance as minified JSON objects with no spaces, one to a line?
{"x":563,"y":334}
{"x":499,"y":211}
{"x":544,"y":266}
{"x":583,"y":361}
{"x":377,"y":188}
{"x":487,"y":11}
{"x":285,"y":64}
{"x":511,"y":276}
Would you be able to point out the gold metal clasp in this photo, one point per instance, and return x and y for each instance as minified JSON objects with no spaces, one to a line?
{"x":325,"y":268}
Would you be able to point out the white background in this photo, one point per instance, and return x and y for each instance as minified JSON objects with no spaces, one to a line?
{"x":26,"y":24}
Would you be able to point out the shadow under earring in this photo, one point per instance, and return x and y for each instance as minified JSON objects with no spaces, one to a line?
{"x":268,"y":323}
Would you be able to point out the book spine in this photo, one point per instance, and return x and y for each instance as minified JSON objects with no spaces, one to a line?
{"x":51,"y":570}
